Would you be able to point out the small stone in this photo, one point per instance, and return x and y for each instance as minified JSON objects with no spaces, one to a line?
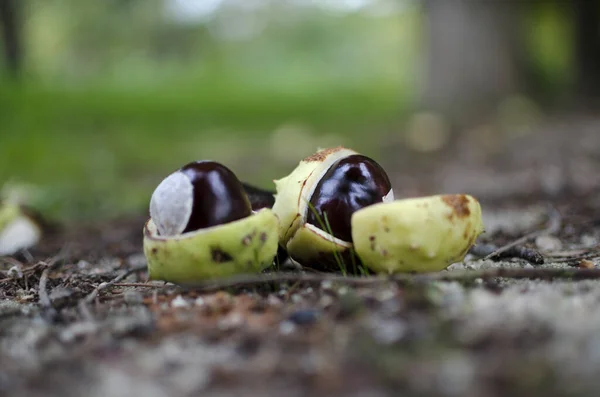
{"x":327,"y":284}
{"x":303,"y":317}
{"x":136,"y":260}
{"x":199,"y":301}
{"x":325,"y":301}
{"x":343,"y":290}
{"x":286,"y":327}
{"x":388,"y":331}
{"x":15,"y":272}
{"x":589,"y":241}
{"x":548,"y":243}
{"x":586,"y":264}
{"x":272,"y":300}
{"x":59,"y":295}
{"x":179,"y":301}
{"x":232,"y":321}
{"x":133,"y":297}
{"x":83,"y":265}
{"x":77,"y":330}
{"x":296,"y":298}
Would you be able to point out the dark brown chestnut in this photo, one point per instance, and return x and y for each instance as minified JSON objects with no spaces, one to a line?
{"x":199,"y":195}
{"x":350,"y":184}
{"x":259,"y":197}
{"x":219,"y":196}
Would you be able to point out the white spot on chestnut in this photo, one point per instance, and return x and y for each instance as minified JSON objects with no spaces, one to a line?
{"x":171,"y":204}
{"x":388,"y":197}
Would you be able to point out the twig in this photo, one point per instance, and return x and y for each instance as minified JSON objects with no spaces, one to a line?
{"x":457,"y":275}
{"x":94,"y":294}
{"x":44,"y":299}
{"x":554,"y":223}
{"x":519,"y":251}
{"x":143,"y":285}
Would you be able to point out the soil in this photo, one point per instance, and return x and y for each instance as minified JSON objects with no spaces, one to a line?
{"x":78,"y":317}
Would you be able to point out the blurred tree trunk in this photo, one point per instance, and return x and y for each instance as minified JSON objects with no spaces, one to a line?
{"x":11,"y":37}
{"x":473,"y":54}
{"x":587,"y":47}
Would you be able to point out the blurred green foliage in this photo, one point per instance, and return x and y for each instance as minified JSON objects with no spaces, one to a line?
{"x":116,"y":95}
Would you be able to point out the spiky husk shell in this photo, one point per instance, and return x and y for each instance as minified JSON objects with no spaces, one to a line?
{"x":244,"y":246}
{"x":416,"y":235}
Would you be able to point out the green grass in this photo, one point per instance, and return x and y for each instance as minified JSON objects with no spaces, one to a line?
{"x":99,"y":150}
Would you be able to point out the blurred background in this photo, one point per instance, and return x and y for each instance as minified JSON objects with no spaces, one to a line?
{"x":100,"y":100}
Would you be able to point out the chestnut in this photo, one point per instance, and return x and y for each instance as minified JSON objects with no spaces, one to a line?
{"x":349,"y":184}
{"x":200,"y":194}
{"x":202,"y":225}
{"x":339,"y":205}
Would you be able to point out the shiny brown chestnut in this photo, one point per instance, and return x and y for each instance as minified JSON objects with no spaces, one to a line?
{"x":199,"y":195}
{"x":350,"y":184}
{"x":202,"y":225}
{"x":316,"y":202}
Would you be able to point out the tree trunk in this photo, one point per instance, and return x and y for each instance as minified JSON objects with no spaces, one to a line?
{"x":472,"y":54}
{"x":587,"y":47}
{"x":10,"y":30}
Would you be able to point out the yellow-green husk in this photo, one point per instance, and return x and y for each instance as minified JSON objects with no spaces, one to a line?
{"x":418,"y":234}
{"x":244,"y":246}
{"x":291,"y":205}
{"x":8,"y":213}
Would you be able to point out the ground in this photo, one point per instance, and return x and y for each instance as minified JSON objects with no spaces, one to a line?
{"x":77,"y":317}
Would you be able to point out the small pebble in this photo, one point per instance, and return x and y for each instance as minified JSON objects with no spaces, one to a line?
{"x":296,"y":298}
{"x":327,"y":284}
{"x":325,"y":301}
{"x":83,"y":264}
{"x":388,"y":331}
{"x":586,"y":264}
{"x":199,"y":301}
{"x":138,"y":259}
{"x":179,"y":301}
{"x":303,"y":317}
{"x":15,"y":272}
{"x":307,"y":291}
{"x":548,"y":243}
{"x":272,"y":300}
{"x":232,"y":321}
{"x":133,"y":297}
{"x":589,"y":241}
{"x":286,"y":327}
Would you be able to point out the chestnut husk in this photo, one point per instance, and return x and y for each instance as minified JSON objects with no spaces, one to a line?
{"x":408,"y":235}
{"x":244,"y":246}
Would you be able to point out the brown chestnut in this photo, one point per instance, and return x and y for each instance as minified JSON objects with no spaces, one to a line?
{"x":351,"y":183}
{"x":199,"y":195}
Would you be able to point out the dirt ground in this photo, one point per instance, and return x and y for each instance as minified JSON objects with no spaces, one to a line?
{"x":77,"y":317}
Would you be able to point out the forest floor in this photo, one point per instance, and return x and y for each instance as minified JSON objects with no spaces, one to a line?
{"x":78,"y":317}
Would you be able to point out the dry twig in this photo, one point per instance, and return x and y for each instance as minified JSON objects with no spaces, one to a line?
{"x":94,"y":294}
{"x":553,"y":225}
{"x":249,"y":281}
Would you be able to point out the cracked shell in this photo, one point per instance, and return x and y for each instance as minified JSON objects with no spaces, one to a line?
{"x":422,"y":234}
{"x":246,"y":245}
{"x":305,"y":242}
